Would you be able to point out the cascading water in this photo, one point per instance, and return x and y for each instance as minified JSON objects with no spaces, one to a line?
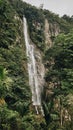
{"x":33,"y":78}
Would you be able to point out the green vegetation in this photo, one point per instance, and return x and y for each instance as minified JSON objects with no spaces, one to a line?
{"x":64,"y":24}
{"x":59,"y":78}
{"x":14,"y":89}
{"x":35,"y":18}
{"x":16,"y":111}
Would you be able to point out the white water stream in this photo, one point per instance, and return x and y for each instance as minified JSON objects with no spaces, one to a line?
{"x":32,"y":71}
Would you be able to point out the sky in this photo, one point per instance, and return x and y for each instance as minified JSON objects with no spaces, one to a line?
{"x":60,"y":7}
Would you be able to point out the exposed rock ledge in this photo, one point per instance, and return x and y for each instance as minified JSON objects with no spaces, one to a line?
{"x":47,"y":33}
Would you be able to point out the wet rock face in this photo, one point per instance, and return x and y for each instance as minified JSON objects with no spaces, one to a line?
{"x":35,"y":70}
{"x":40,"y":69}
{"x":50,"y":30}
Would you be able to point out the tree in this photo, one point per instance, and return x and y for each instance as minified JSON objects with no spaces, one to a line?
{"x":5,"y":82}
{"x":60,"y":75}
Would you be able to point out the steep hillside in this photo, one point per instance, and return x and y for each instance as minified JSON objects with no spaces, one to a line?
{"x":59,"y":80}
{"x":15,"y":97}
{"x":52,"y":38}
{"x":36,"y":22}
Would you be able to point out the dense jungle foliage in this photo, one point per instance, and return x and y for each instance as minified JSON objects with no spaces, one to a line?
{"x":16,"y":110}
{"x":59,"y":78}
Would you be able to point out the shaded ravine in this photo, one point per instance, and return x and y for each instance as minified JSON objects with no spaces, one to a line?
{"x":32,"y":71}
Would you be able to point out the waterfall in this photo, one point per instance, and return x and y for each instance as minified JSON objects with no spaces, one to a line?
{"x":32,"y":71}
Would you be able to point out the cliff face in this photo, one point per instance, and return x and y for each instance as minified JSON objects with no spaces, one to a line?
{"x":47,"y":34}
{"x":52,"y":97}
{"x":55,"y":29}
{"x":51,"y":30}
{"x":16,"y":108}
{"x":40,"y":68}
